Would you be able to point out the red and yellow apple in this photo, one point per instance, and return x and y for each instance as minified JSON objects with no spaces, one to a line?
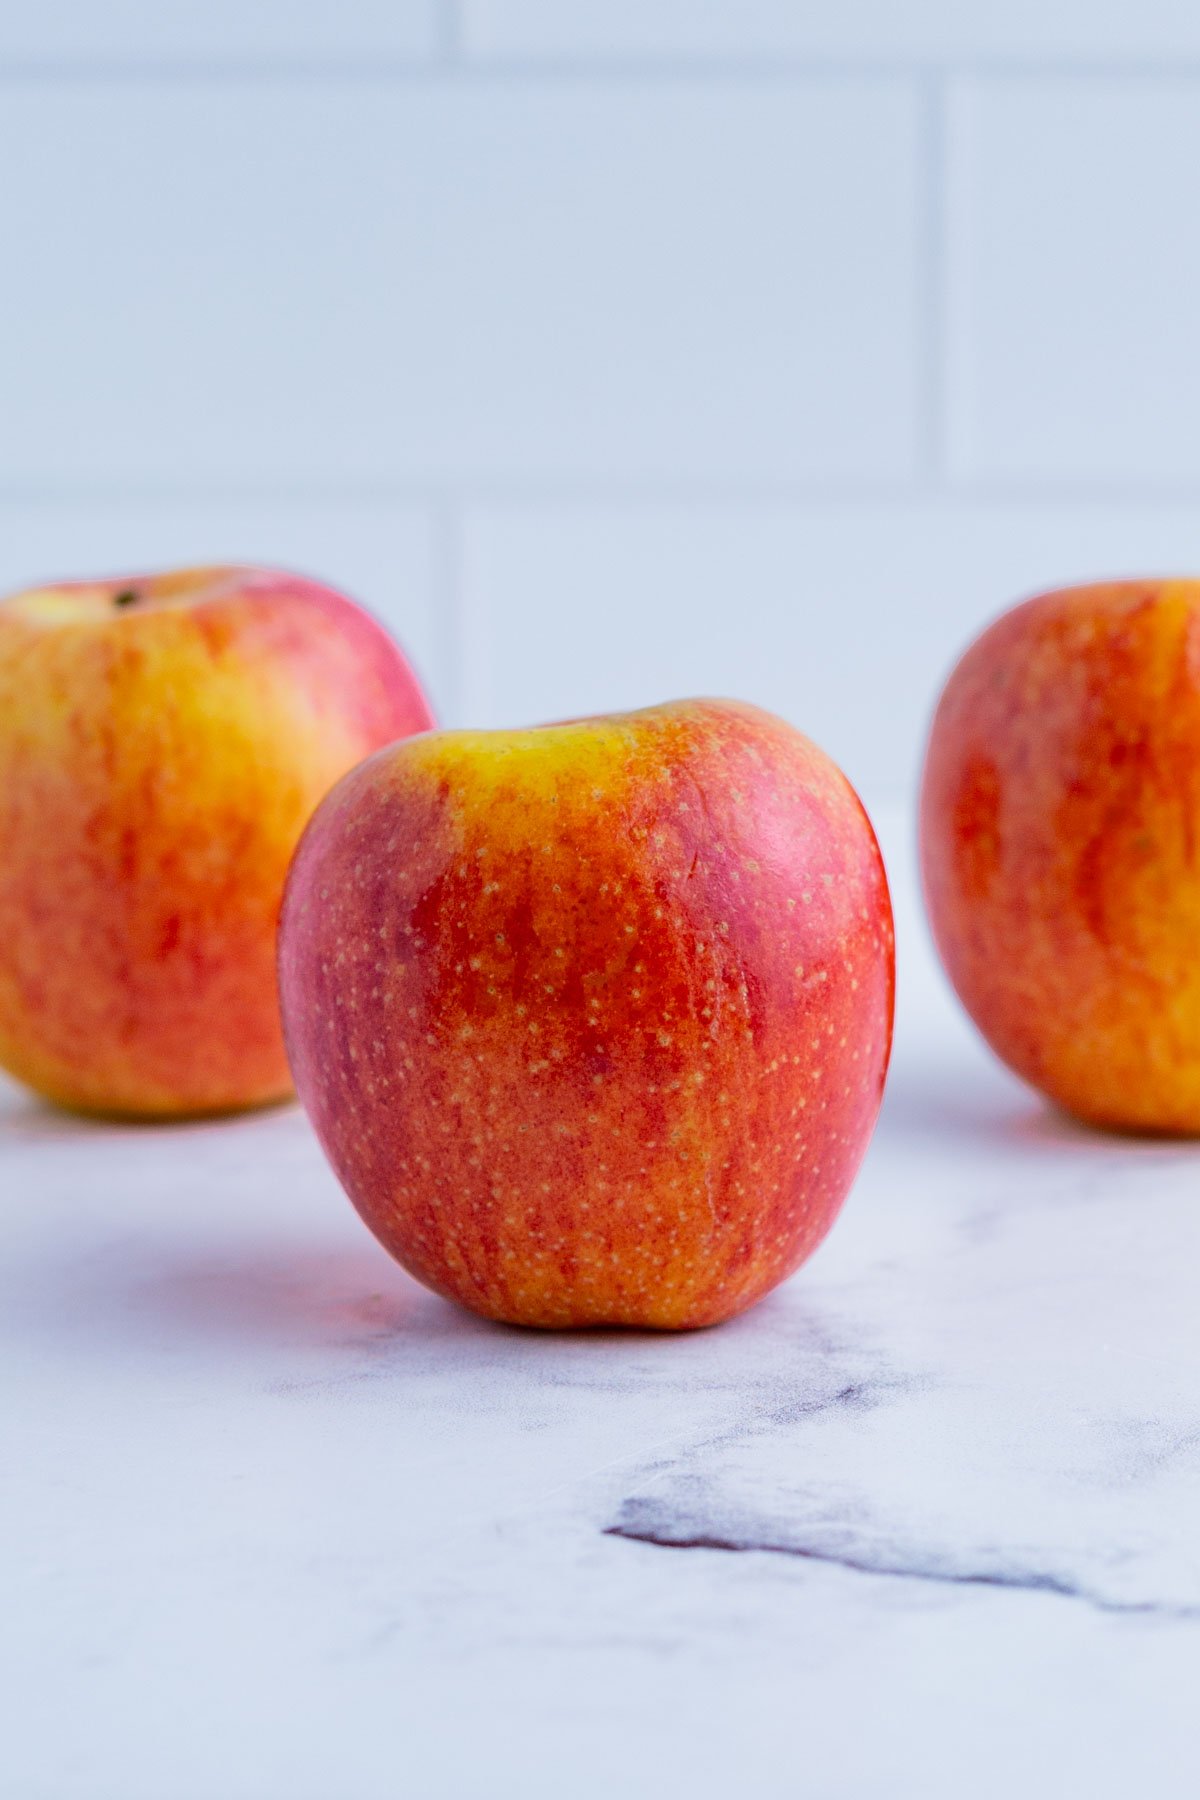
{"x":1060,"y":843}
{"x":593,"y":1019}
{"x":163,"y":742}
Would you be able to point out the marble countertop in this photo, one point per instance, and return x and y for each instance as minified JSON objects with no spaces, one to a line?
{"x":279,"y":1525}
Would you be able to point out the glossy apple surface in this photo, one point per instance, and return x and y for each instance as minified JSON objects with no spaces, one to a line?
{"x":1060,"y":841}
{"x":163,"y":741}
{"x":593,"y":1019}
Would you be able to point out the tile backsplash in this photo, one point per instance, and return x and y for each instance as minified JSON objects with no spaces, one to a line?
{"x":611,"y":349}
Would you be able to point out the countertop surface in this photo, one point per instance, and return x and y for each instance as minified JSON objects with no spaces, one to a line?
{"x":279,"y":1525}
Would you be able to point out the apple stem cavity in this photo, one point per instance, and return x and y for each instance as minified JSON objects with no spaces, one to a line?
{"x":125,"y":597}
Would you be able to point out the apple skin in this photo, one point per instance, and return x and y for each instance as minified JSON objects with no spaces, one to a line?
{"x":593,"y":1019}
{"x":163,"y":741}
{"x":1060,"y":847}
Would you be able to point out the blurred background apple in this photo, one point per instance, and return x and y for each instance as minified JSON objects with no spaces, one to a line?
{"x":1060,"y":830}
{"x":163,"y":741}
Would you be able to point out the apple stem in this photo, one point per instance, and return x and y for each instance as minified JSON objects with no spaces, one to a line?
{"x":125,"y":597}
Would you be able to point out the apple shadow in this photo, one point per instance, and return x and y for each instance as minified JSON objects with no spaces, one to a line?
{"x":356,"y":1307}
{"x":986,"y":1108}
{"x":299,"y":1299}
{"x":306,"y":1317}
{"x":27,"y":1118}
{"x":921,"y":1109}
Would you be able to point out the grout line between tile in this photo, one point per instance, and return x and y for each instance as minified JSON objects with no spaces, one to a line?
{"x":932,"y":277}
{"x":496,"y":495}
{"x":448,"y":27}
{"x":449,"y":637}
{"x":451,"y":60}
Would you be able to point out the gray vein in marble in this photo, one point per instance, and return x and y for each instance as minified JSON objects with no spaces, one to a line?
{"x":902,"y":1476}
{"x":646,"y":1522}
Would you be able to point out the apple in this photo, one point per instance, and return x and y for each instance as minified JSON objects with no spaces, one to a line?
{"x":163,"y":741}
{"x":593,"y":1019}
{"x":1060,"y":846}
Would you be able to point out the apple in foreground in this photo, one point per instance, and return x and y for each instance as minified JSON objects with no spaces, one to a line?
{"x":163,"y":741}
{"x":593,"y":1019}
{"x":1060,"y":844}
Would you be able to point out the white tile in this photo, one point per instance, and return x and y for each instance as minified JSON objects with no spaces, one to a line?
{"x":876,"y":28}
{"x":131,"y":32}
{"x":380,"y":555}
{"x":1074,"y":227}
{"x":495,"y":281}
{"x":844,"y":619}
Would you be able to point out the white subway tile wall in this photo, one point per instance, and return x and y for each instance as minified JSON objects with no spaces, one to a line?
{"x":1073,"y":236}
{"x":844,"y":616}
{"x":611,"y":349}
{"x":936,"y":29}
{"x":357,"y":282}
{"x":132,"y":33}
